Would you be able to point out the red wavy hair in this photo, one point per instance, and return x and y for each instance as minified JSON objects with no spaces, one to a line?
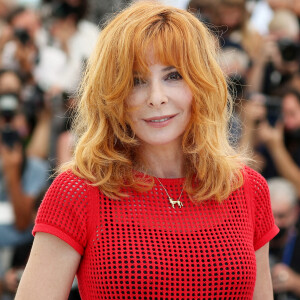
{"x":104,"y":153}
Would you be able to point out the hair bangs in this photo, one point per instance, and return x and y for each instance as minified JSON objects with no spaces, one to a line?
{"x":161,"y":41}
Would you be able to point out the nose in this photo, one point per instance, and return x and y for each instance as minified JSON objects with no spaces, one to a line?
{"x":156,"y":96}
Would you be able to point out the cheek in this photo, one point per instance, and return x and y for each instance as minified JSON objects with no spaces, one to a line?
{"x":132,"y":103}
{"x":188,"y":101}
{"x":291,"y":119}
{"x":132,"y":118}
{"x":129,"y":108}
{"x":132,"y":115}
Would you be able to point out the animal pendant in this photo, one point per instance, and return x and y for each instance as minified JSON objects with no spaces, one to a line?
{"x":173,"y":202}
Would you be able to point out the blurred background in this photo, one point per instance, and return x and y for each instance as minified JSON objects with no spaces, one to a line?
{"x":44,"y":45}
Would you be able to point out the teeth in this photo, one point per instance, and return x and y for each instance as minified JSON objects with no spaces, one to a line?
{"x":161,"y":120}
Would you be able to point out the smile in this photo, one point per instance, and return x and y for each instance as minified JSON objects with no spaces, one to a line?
{"x":160,"y":119}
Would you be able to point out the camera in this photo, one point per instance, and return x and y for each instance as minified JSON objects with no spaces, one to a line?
{"x":289,"y":50}
{"x":22,"y":35}
{"x":9,"y":104}
{"x":10,"y":136}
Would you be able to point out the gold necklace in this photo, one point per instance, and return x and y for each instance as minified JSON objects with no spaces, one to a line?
{"x":171,"y":200}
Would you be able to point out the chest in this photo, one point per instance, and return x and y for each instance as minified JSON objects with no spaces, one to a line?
{"x":143,"y":246}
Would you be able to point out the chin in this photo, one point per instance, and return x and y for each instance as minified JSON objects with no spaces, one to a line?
{"x":159,"y":141}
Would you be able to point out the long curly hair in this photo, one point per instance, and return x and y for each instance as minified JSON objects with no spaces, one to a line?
{"x":104,"y":153}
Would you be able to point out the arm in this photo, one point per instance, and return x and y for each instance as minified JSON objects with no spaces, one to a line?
{"x":266,"y":52}
{"x":64,"y":147}
{"x":50,"y":270}
{"x":263,"y":285}
{"x":285,"y":164}
{"x":39,"y":143}
{"x":23,"y":205}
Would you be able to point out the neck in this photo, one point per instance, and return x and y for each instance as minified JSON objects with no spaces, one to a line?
{"x":161,"y":161}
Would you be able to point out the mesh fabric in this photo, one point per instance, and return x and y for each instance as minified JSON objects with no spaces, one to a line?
{"x":142,"y":248}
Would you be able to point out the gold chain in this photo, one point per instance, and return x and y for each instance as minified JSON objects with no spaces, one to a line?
{"x":171,"y":200}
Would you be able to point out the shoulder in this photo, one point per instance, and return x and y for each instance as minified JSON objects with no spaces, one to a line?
{"x":66,"y":210}
{"x":69,"y":194}
{"x":258,"y":196}
{"x":68,"y":181}
{"x":254,"y":180}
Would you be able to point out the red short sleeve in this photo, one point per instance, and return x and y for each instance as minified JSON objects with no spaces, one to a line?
{"x":264,"y":224}
{"x":63,"y":211}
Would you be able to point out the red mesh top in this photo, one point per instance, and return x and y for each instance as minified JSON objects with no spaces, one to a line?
{"x":142,"y":248}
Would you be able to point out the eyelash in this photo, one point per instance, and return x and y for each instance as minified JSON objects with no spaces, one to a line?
{"x":178,"y":76}
{"x":138,"y":81}
{"x":173,"y":76}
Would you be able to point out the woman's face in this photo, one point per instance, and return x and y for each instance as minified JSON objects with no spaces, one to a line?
{"x":160,"y":106}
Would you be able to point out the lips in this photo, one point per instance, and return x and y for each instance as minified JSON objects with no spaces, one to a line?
{"x":160,"y":119}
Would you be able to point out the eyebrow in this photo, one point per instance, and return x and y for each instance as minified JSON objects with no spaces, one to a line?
{"x":168,"y":68}
{"x":163,"y":70}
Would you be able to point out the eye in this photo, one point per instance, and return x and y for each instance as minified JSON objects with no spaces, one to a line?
{"x":174,"y":76}
{"x":138,"y":81}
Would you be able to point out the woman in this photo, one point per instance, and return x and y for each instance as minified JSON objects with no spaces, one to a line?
{"x":155,"y":203}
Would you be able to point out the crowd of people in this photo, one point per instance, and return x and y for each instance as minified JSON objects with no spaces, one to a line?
{"x":43,"y":52}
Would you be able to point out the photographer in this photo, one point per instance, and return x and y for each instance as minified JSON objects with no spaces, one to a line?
{"x":21,"y":178}
{"x":282,"y":140}
{"x":27,"y":37}
{"x":285,"y":247}
{"x":276,"y":62}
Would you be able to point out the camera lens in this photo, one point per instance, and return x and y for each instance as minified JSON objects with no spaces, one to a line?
{"x":22,"y":35}
{"x":290,"y":51}
{"x":8,"y":106}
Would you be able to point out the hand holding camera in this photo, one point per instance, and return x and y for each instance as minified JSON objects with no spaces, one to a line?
{"x":254,"y":110}
{"x":268,"y":52}
{"x":11,"y":148}
{"x":269,"y":135}
{"x":12,"y":160}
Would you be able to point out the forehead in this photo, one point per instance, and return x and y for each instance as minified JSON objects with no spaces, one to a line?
{"x":150,"y":57}
{"x":27,"y":16}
